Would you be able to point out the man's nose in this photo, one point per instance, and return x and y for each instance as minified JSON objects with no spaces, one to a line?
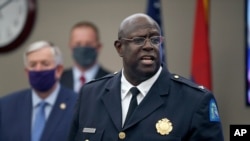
{"x":38,"y":67}
{"x":147,"y":45}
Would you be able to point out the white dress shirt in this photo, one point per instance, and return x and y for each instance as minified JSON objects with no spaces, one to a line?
{"x":126,"y":96}
{"x":89,"y":75}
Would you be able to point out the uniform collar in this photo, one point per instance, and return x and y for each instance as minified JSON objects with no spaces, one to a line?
{"x":144,"y":86}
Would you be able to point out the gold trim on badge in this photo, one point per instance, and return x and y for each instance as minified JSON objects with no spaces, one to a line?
{"x":164,"y":126}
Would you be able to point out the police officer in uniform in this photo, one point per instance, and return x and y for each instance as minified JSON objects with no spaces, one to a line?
{"x":144,"y":101}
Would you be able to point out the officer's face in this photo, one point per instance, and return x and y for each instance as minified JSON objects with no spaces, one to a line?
{"x":140,"y":60}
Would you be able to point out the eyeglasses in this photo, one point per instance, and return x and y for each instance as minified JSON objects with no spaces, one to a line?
{"x":140,"y":41}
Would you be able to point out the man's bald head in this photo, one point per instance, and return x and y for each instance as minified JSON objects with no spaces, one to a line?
{"x":129,"y":24}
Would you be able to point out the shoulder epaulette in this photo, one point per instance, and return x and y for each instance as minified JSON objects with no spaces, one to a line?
{"x":188,"y":82}
{"x":102,"y":78}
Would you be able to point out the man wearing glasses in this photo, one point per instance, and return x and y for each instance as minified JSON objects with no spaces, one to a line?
{"x":144,"y":101}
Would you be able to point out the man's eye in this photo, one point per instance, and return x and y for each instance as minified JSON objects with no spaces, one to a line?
{"x":155,"y":40}
{"x":138,"y":40}
{"x":32,"y":64}
{"x":46,"y":64}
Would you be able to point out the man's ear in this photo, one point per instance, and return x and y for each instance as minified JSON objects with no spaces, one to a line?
{"x":118,"y":46}
{"x":99,"y":47}
{"x":59,"y":71}
{"x":26,"y":71}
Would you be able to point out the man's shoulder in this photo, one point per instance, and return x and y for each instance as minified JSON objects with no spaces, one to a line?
{"x":103,"y":70}
{"x":102,"y":79}
{"x":69,"y":92}
{"x":67,"y":71}
{"x":16,"y":95}
{"x":188,"y":83}
{"x":66,"y":89}
{"x":67,"y":95}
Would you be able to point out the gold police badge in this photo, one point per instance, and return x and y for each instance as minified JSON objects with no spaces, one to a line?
{"x":164,"y":126}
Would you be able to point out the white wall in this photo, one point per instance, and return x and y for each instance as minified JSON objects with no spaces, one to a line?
{"x":55,"y":18}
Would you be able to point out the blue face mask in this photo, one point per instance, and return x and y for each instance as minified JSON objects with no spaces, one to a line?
{"x":42,"y":81}
{"x":85,"y":56}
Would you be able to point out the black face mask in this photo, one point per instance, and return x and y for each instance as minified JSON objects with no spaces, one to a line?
{"x":85,"y":56}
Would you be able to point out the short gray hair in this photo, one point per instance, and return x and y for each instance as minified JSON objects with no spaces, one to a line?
{"x":43,"y":44}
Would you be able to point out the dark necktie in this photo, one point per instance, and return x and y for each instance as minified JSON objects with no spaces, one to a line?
{"x":39,"y":122}
{"x":133,"y":102}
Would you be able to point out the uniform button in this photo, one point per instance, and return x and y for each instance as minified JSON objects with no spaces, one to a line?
{"x":176,"y":76}
{"x":122,"y":135}
{"x":201,"y":87}
{"x":86,"y":140}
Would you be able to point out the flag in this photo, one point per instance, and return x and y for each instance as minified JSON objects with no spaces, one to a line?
{"x":154,"y":11}
{"x":201,"y":66}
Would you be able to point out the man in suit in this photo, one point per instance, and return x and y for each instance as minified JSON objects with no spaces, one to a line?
{"x":85,"y":46}
{"x":144,"y":101}
{"x":45,"y":111}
